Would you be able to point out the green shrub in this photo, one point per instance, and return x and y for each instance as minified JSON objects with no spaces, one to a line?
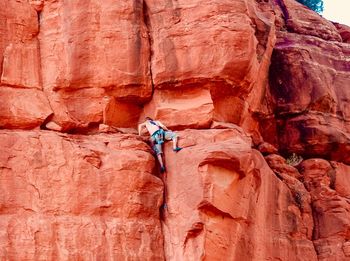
{"x":316,"y":5}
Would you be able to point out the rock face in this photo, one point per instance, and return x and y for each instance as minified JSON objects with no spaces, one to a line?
{"x":214,"y":50}
{"x":257,"y":91}
{"x":331,"y":207}
{"x":78,"y":198}
{"x":311,"y":107}
{"x":344,"y":31}
{"x":221,"y":205}
{"x":23,"y":104}
{"x":90,"y":50}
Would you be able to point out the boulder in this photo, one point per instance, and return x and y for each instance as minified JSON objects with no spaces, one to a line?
{"x":23,"y":108}
{"x":189,"y":108}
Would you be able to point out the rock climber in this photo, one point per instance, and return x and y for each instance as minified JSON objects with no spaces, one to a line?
{"x":159,"y":132}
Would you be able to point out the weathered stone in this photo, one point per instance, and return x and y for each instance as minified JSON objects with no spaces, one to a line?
{"x":340,"y":179}
{"x":302,"y":20}
{"x":191,"y":108}
{"x":19,"y":54}
{"x":302,"y":198}
{"x":344,"y":31}
{"x":183,"y":57}
{"x":280,"y":166}
{"x":267,"y":148}
{"x":78,"y":197}
{"x":51,"y":125}
{"x":330,"y":209}
{"x":102,"y":66}
{"x":309,"y":89}
{"x":21,"y":65}
{"x":221,"y":46}
{"x":37,"y":4}
{"x":315,"y":134}
{"x":105,"y":45}
{"x":23,"y":108}
{"x":94,"y":49}
{"x":223,"y":200}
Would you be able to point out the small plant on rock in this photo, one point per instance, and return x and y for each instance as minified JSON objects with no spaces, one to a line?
{"x":294,"y":160}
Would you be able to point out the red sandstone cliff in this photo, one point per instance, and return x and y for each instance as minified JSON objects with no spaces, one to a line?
{"x":245,"y":83}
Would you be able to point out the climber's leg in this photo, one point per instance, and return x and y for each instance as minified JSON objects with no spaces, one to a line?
{"x":169,"y":135}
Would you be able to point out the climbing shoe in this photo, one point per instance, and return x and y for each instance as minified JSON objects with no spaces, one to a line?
{"x":177,"y":149}
{"x":162,"y":169}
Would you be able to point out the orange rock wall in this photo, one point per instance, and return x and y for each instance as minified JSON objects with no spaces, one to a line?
{"x":245,"y":83}
{"x":78,"y":198}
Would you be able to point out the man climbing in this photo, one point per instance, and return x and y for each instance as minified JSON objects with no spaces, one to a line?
{"x":159,"y":132}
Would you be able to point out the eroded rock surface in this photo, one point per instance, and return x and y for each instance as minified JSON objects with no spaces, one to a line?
{"x":330,"y":203}
{"x":23,"y":104}
{"x":225,"y":203}
{"x":344,"y":31}
{"x":308,"y":77}
{"x":229,"y":75}
{"x":221,"y":48}
{"x":74,"y":197}
{"x":93,"y":49}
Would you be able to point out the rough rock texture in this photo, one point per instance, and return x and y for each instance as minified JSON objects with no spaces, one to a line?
{"x":23,"y":104}
{"x":258,"y":90}
{"x":331,"y":207}
{"x":22,"y":108}
{"x":19,"y":51}
{"x":223,"y":47}
{"x":309,"y":98}
{"x":308,"y":84}
{"x":344,"y":31}
{"x":300,"y":19}
{"x":221,"y":205}
{"x":78,"y":198}
{"x":191,"y":108}
{"x":93,"y":49}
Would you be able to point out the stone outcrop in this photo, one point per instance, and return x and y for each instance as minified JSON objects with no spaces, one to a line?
{"x":93,"y":50}
{"x":219,"y":48}
{"x":23,"y":103}
{"x":23,"y":108}
{"x":220,"y":205}
{"x":256,"y":90}
{"x":344,"y":31}
{"x":308,"y":78}
{"x":69,"y":197}
{"x":331,"y":207}
{"x":300,"y":19}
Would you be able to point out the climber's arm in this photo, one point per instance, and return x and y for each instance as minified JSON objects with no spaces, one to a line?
{"x":140,"y":126}
{"x":162,"y":126}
